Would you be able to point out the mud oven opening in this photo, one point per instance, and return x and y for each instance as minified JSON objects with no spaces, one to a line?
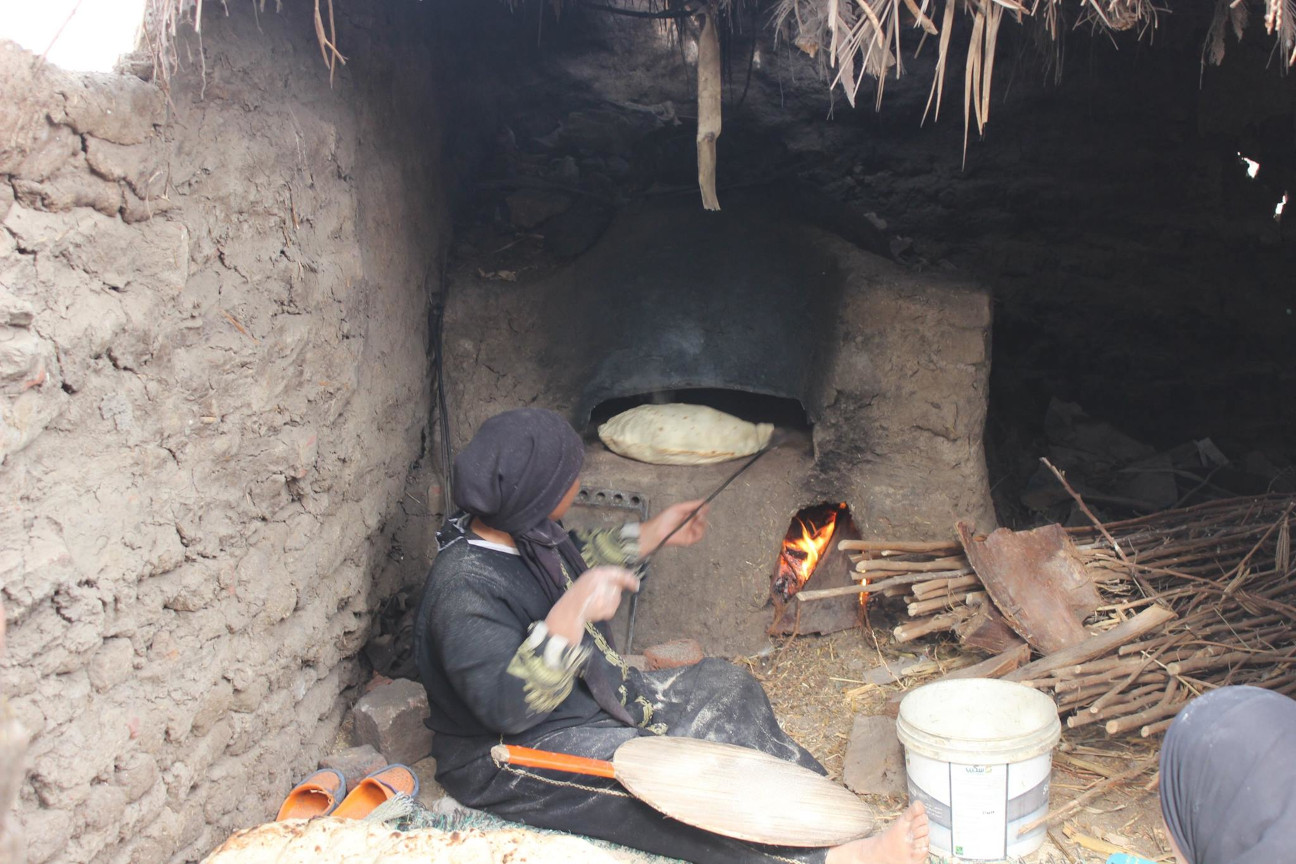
{"x":877,"y":375}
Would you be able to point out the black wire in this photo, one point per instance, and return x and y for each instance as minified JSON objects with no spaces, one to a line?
{"x":436,"y":315}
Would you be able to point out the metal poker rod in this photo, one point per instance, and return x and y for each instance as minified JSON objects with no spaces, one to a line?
{"x":698,"y":509}
{"x":643,"y":562}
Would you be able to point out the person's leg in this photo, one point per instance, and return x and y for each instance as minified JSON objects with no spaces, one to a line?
{"x":905,"y":841}
{"x":717,"y":701}
{"x":714,"y":700}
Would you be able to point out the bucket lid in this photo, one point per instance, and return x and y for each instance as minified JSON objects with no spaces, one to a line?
{"x":978,"y":721}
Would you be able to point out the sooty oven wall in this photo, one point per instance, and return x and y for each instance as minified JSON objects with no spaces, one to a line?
{"x":891,"y":367}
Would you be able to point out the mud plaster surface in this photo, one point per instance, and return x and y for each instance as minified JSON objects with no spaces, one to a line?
{"x":213,"y":383}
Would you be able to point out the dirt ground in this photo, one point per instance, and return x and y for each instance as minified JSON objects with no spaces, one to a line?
{"x":816,"y":685}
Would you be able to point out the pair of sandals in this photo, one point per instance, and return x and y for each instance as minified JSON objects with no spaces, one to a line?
{"x":324,"y":793}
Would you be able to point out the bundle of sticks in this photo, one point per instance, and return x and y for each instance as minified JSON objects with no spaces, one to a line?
{"x":1193,"y":599}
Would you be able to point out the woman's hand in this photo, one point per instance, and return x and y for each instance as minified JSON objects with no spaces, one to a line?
{"x":594,"y":596}
{"x":661,"y":525}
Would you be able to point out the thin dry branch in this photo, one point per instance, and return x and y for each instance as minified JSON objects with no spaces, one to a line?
{"x":328,"y":44}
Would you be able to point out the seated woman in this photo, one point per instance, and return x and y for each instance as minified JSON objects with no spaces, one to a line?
{"x":513,"y":645}
{"x":1228,"y":778}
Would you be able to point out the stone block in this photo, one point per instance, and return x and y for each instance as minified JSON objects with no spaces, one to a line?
{"x":874,"y":763}
{"x":355,"y":763}
{"x":390,"y":719}
{"x":673,"y":654}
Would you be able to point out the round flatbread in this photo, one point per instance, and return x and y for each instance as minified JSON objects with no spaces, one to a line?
{"x":679,"y":434}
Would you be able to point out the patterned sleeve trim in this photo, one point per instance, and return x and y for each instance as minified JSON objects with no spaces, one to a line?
{"x":616,"y":546}
{"x":547,"y":665}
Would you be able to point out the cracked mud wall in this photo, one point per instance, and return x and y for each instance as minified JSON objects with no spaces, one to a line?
{"x":213,"y":385}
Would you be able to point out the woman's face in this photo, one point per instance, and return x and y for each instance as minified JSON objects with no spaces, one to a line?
{"x":561,"y":510}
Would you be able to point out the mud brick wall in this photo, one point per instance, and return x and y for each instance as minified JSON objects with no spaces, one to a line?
{"x":213,"y":383}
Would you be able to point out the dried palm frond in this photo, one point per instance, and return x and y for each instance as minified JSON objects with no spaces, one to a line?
{"x":1228,"y":14}
{"x":328,"y":44}
{"x":162,"y":19}
{"x":1119,"y":15}
{"x":1280,"y":21}
{"x":938,"y":81}
{"x":852,"y":39}
{"x":159,"y":30}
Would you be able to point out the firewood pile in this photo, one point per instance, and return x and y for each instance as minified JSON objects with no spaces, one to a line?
{"x":1186,"y":600}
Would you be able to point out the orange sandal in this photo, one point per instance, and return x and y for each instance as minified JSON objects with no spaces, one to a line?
{"x":317,"y":795}
{"x":378,"y":788}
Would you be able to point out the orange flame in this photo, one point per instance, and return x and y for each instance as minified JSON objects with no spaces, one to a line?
{"x":800,"y":555}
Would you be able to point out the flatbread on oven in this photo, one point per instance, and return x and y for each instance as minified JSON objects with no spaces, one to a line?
{"x":679,"y":434}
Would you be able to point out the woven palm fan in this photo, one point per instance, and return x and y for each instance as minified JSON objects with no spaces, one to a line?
{"x":735,"y":791}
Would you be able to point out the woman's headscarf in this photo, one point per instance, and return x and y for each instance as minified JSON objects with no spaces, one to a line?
{"x":512,"y":475}
{"x":1228,"y":777}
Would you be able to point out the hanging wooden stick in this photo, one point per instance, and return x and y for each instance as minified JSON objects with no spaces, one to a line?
{"x":709,"y":92}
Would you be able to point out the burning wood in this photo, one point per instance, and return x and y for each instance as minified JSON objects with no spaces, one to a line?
{"x":805,"y":543}
{"x":1190,"y":600}
{"x":809,"y":557}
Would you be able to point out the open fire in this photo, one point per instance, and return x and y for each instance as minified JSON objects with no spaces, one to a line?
{"x":806,"y":542}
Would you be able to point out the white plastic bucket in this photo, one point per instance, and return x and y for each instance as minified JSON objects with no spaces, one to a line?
{"x":979,"y":755}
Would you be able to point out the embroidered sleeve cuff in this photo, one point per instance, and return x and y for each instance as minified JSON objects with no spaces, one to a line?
{"x":546,"y":664}
{"x":617,"y":546}
{"x":555,"y":650}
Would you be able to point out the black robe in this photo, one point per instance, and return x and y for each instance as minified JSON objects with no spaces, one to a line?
{"x":491,"y":678}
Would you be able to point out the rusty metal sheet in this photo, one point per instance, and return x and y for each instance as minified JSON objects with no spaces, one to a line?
{"x":1038,"y":582}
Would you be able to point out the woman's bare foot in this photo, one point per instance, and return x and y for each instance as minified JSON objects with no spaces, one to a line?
{"x":905,"y":842}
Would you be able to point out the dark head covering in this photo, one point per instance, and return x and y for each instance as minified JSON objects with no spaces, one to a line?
{"x":517,"y":468}
{"x":512,"y":475}
{"x":1228,"y":778}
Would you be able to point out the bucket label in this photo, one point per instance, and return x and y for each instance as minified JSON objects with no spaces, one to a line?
{"x":977,"y":823}
{"x":976,"y":812}
{"x":938,"y":811}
